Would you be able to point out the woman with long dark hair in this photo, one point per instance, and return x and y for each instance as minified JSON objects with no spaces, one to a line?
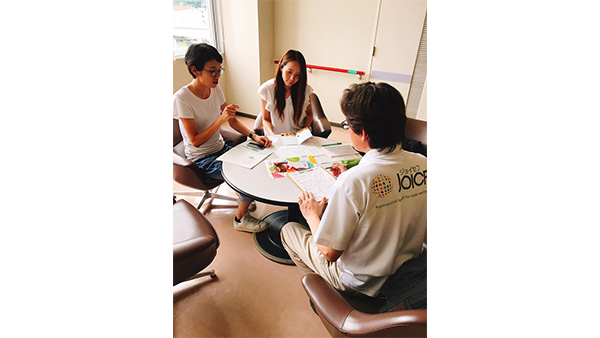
{"x":285,"y":99}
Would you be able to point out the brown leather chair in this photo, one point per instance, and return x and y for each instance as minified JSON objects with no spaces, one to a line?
{"x":187,"y":173}
{"x":195,"y":243}
{"x":342,"y":319}
{"x":320,"y":125}
{"x":416,"y":130}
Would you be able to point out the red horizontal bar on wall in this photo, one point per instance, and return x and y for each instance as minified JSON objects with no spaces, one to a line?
{"x":331,"y":69}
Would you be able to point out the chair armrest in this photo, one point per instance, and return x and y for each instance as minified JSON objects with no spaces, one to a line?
{"x":187,"y":248}
{"x":328,"y":302}
{"x":337,"y":312}
{"x":320,"y":125}
{"x":178,"y":160}
{"x":258,"y":125}
{"x":187,"y":173}
{"x":232,"y":137}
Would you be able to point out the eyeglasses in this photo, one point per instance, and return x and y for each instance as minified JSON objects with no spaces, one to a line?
{"x":345,"y":125}
{"x":214,"y":73}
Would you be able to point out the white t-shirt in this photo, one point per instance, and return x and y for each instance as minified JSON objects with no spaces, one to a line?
{"x":285,"y":125}
{"x":204,"y":112}
{"x":377,"y":215}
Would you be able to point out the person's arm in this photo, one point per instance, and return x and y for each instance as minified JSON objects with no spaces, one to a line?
{"x":309,"y":115}
{"x":242,"y":129}
{"x":266,"y":118}
{"x":199,"y":138}
{"x":312,"y":211}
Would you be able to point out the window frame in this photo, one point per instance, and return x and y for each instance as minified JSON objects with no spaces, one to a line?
{"x":215,"y":27}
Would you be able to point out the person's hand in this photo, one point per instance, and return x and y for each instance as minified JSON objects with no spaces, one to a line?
{"x":337,"y":168}
{"x":265,"y":141}
{"x":309,"y":207}
{"x":228,"y":113}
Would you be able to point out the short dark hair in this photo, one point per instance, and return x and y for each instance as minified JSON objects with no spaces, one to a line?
{"x":200,"y":53}
{"x":378,"y":109}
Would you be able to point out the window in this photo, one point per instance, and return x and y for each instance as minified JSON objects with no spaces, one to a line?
{"x":195,"y":21}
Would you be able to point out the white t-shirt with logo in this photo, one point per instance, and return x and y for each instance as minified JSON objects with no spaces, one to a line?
{"x":204,"y":112}
{"x":377,"y":215}
{"x":285,"y":125}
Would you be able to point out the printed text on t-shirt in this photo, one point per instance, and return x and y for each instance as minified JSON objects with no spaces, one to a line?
{"x":408,"y":178}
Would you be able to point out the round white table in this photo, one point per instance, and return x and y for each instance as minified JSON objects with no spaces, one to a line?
{"x":257,"y":184}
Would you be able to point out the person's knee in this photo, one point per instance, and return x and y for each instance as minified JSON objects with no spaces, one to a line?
{"x":284,"y":230}
{"x":288,"y":231}
{"x":244,"y":198}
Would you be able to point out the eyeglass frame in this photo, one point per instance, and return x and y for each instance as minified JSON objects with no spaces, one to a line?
{"x":213,"y":73}
{"x":345,"y":125}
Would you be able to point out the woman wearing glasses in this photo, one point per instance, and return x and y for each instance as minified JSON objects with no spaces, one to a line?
{"x":285,"y":99}
{"x":201,"y":109}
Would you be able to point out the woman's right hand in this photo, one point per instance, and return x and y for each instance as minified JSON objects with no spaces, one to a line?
{"x":228,"y":113}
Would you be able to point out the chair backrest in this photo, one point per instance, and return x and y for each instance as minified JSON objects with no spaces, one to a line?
{"x":185,"y":171}
{"x":342,"y":319}
{"x":320,"y":125}
{"x":415,"y":133}
{"x":195,"y":241}
{"x":416,"y":130}
{"x":177,"y":138}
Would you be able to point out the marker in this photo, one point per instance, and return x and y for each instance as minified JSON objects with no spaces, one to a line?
{"x":332,"y":144}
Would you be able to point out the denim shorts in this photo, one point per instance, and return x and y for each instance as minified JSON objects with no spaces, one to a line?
{"x":212,"y":167}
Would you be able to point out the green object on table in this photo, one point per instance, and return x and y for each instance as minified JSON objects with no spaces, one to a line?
{"x":351,"y":163}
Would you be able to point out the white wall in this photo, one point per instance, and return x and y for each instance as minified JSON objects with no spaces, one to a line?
{"x":181,"y":76}
{"x":334,"y":33}
{"x":241,"y":55}
{"x":266,"y":40}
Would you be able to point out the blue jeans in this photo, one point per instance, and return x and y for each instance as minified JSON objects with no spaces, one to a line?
{"x":212,"y":167}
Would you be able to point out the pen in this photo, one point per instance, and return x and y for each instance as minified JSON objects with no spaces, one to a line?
{"x":332,"y":144}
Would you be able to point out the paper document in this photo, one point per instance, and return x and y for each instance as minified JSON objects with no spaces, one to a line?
{"x":340,"y":150}
{"x":316,"y":180}
{"x":245,"y":155}
{"x":303,"y":150}
{"x":297,"y":137}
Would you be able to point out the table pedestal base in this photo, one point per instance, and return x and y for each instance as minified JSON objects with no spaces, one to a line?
{"x":268,"y":242}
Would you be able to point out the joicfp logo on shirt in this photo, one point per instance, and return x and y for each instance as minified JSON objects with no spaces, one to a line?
{"x":381,"y":186}
{"x":408,"y":179}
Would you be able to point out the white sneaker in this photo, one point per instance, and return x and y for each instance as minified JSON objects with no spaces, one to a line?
{"x":252,"y":206}
{"x":250,"y":224}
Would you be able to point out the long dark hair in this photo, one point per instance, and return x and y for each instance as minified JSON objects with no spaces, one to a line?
{"x":298,"y":90}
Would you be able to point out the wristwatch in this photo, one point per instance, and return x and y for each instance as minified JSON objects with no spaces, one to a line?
{"x":251,"y":133}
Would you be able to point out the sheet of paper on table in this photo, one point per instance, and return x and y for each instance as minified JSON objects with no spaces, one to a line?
{"x":316,"y":180}
{"x":246,"y":156}
{"x":340,"y":150}
{"x":303,"y":150}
